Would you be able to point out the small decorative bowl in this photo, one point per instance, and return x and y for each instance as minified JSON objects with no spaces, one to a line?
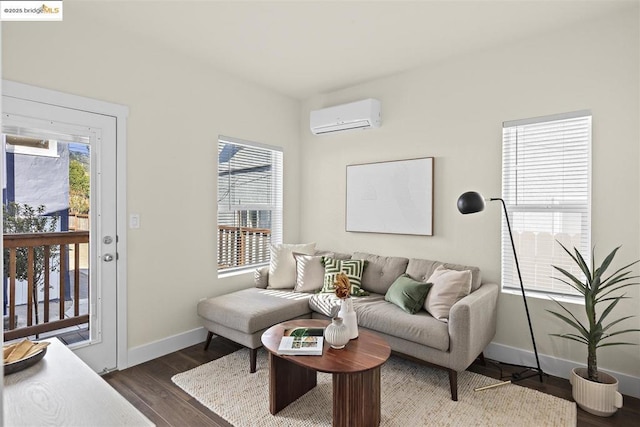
{"x":19,"y":365}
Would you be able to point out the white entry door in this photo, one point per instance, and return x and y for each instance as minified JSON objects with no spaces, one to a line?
{"x":92,"y":137}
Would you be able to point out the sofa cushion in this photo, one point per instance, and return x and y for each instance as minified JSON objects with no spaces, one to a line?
{"x":380,"y":271}
{"x":374,"y":313}
{"x":326,"y":304}
{"x":422,"y":269}
{"x":408,"y":294}
{"x":253,"y":309}
{"x":352,"y":268}
{"x":309,"y":273}
{"x":449,"y":286}
{"x":282,"y":265}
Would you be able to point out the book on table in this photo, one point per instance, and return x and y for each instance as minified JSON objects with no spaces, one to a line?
{"x":302,"y":341}
{"x":302,"y":331}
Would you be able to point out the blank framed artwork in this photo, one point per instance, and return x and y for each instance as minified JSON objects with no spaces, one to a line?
{"x":393,"y":197}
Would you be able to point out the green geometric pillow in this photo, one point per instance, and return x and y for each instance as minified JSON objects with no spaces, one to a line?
{"x":353,"y":268}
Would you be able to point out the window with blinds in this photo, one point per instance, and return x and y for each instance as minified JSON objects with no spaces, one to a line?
{"x":546,"y":167}
{"x":249,"y":203}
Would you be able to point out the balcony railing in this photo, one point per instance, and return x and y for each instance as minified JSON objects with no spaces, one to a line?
{"x":78,"y":222}
{"x":68,"y":245}
{"x":238,"y":246}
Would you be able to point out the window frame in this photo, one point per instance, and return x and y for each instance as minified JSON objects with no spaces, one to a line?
{"x":274,"y":206}
{"x":509,"y":280}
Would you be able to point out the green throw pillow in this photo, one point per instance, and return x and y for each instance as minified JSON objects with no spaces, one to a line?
{"x":353,"y":268}
{"x":408,"y":294}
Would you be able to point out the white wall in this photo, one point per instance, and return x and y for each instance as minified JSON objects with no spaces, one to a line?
{"x":178,"y":107}
{"x":454,"y":111}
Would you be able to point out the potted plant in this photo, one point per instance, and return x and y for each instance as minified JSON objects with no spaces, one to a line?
{"x":595,"y":392}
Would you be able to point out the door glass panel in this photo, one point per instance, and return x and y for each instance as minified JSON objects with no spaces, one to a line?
{"x":46,"y":233}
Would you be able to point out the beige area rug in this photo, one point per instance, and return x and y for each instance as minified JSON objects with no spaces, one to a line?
{"x":412,"y":395}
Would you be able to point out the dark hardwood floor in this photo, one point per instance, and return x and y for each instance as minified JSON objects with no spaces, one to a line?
{"x":148,"y":387}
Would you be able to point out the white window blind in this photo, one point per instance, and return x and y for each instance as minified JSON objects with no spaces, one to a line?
{"x":546,"y":186}
{"x":249,"y":203}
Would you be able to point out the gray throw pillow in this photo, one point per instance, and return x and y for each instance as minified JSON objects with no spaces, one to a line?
{"x":449,"y":286}
{"x":309,"y":272}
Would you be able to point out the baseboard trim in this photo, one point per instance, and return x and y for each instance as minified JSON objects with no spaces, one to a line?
{"x":155,"y":349}
{"x":627,"y":384}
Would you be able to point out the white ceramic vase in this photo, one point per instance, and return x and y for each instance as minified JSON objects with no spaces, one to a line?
{"x":602,"y":399}
{"x":349,"y":318}
{"x":336,"y":334}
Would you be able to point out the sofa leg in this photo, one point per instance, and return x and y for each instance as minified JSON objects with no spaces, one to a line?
{"x":482,"y":361}
{"x":453,"y":383}
{"x":208,"y":341}
{"x":253,"y":355}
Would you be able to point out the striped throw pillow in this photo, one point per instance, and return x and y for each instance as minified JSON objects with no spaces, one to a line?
{"x":353,"y":268}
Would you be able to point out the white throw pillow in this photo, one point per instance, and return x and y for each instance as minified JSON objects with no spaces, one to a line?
{"x":282,"y":265}
{"x":309,"y":272}
{"x":449,"y":286}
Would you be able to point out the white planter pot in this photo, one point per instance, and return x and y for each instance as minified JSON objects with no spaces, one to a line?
{"x":601,"y":398}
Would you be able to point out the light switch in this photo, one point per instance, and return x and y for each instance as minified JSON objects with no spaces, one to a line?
{"x":134,"y":220}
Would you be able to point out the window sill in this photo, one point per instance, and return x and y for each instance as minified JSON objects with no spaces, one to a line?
{"x":239,"y":271}
{"x":568,"y":299}
{"x":233,"y":273}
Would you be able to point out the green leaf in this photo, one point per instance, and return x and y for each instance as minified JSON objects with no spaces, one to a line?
{"x":570,"y":254}
{"x":571,"y":337}
{"x":621,"y":269}
{"x":613,"y":299}
{"x":578,"y":284}
{"x":582,"y":264}
{"x":581,"y":290}
{"x":614,"y":343}
{"x":605,"y":264}
{"x":573,"y":322}
{"x":608,"y":291}
{"x":613,"y":280}
{"x":607,"y":310}
{"x":626,"y":331}
{"x":615,"y":322}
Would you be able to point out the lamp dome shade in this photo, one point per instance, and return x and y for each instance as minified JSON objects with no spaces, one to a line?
{"x":470,"y":202}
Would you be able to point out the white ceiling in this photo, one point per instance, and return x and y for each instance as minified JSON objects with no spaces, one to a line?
{"x":302,"y":48}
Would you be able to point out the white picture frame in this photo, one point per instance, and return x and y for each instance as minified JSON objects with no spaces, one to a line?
{"x":394,"y":197}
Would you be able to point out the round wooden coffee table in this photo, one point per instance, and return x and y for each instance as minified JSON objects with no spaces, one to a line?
{"x":355,"y":370}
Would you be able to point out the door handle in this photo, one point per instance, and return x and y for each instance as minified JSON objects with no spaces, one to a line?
{"x":107,"y":257}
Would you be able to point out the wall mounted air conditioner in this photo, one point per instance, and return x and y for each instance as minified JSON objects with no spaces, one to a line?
{"x":363,"y":114}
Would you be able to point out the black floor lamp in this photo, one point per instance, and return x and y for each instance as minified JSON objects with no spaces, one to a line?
{"x":472,"y":202}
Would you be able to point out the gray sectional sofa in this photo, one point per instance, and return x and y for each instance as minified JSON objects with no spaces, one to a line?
{"x":453,"y":345}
